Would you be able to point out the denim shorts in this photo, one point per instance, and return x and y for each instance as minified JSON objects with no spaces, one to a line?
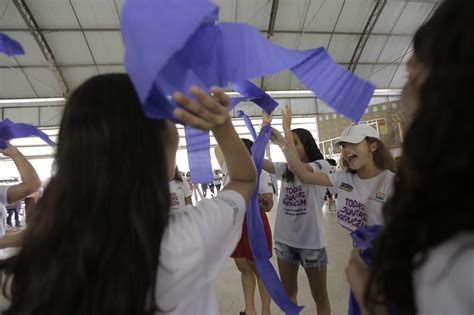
{"x":308,"y":258}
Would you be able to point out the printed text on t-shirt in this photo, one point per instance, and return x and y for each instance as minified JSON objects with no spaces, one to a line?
{"x":295,"y":201}
{"x":352,"y":214}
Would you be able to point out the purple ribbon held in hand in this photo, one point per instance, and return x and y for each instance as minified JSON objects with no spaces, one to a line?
{"x":9,"y":46}
{"x":179,"y":43}
{"x":10,"y":130}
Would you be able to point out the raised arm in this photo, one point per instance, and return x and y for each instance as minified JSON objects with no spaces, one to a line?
{"x":268,"y":166}
{"x":219,"y":156}
{"x":30,"y":181}
{"x":301,"y":170}
{"x":212,"y":115}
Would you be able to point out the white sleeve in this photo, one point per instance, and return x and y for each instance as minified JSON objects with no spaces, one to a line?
{"x":265,"y":184}
{"x":336,"y":177}
{"x":220,"y":220}
{"x":186,"y":189}
{"x":320,"y":166}
{"x":280,"y":168}
{"x":3,"y":194}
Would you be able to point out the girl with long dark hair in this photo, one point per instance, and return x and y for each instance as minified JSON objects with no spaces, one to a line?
{"x":423,"y":261}
{"x":102,"y":240}
{"x":299,"y":235}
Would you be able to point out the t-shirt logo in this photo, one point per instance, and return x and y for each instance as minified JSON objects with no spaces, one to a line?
{"x":346,"y":187}
{"x":380,"y":195}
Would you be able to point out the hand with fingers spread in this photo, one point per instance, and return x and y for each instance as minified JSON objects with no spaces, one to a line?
{"x":206,"y":112}
{"x":286,"y":113}
{"x":209,"y":112}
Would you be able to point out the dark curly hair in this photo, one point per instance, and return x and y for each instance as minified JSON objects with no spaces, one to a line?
{"x":92,"y":246}
{"x":310,"y":147}
{"x":437,"y":156}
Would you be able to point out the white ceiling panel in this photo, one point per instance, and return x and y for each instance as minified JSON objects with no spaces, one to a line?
{"x":389,"y":17}
{"x":119,"y":5}
{"x":75,"y":76}
{"x":291,"y":14}
{"x":341,"y":48}
{"x":409,"y":53}
{"x":322,"y":15}
{"x":400,"y":77}
{"x":372,"y":48}
{"x":254,"y":12}
{"x":279,"y":81}
{"x":51,"y":116}
{"x":27,"y":115}
{"x":354,"y":15}
{"x":32,"y":56}
{"x":13,"y":84}
{"x":301,"y":106}
{"x":96,"y":14}
{"x":412,"y":17}
{"x":10,"y":16}
{"x":309,"y":41}
{"x":44,"y":82}
{"x":111,"y":69}
{"x":226,"y":10}
{"x":395,"y":48}
{"x":364,"y":71}
{"x":289,"y":41}
{"x":53,"y":14}
{"x":107,"y":47}
{"x":295,"y":83}
{"x":69,"y":48}
{"x":382,"y":75}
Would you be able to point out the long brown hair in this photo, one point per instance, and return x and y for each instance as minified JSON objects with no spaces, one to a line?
{"x":93,"y":244}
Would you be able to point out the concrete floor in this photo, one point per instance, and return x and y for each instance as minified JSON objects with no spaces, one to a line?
{"x":229,"y":290}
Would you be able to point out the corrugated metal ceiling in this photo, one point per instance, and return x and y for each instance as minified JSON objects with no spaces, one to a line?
{"x":84,"y":38}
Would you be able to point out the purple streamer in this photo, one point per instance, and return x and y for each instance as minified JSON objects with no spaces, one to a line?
{"x":258,"y":241}
{"x":179,"y":43}
{"x":363,"y":238}
{"x":9,"y":46}
{"x":248,"y":123}
{"x":10,"y":130}
{"x":259,"y":97}
{"x":199,"y":156}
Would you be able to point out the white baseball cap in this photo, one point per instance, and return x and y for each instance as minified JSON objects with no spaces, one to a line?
{"x":357,"y":133}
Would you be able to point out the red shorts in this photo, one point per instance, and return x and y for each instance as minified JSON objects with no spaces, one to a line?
{"x":243,"y":247}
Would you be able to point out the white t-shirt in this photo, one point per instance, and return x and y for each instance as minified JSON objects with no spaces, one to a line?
{"x":360,"y":201}
{"x":178,"y":192}
{"x":299,"y":219}
{"x":3,"y":209}
{"x":265,"y":183}
{"x":194,"y":248}
{"x":444,"y":284}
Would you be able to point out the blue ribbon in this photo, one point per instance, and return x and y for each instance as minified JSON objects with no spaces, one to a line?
{"x":259,"y":97}
{"x":363,"y":238}
{"x":9,"y":46}
{"x":10,"y":130}
{"x":248,"y":123}
{"x":179,"y":43}
{"x":257,"y":236}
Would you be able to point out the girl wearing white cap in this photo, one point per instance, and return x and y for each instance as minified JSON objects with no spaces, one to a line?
{"x":365,"y":181}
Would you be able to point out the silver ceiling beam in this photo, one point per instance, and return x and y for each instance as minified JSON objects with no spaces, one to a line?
{"x":369,"y":26}
{"x":37,"y":34}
